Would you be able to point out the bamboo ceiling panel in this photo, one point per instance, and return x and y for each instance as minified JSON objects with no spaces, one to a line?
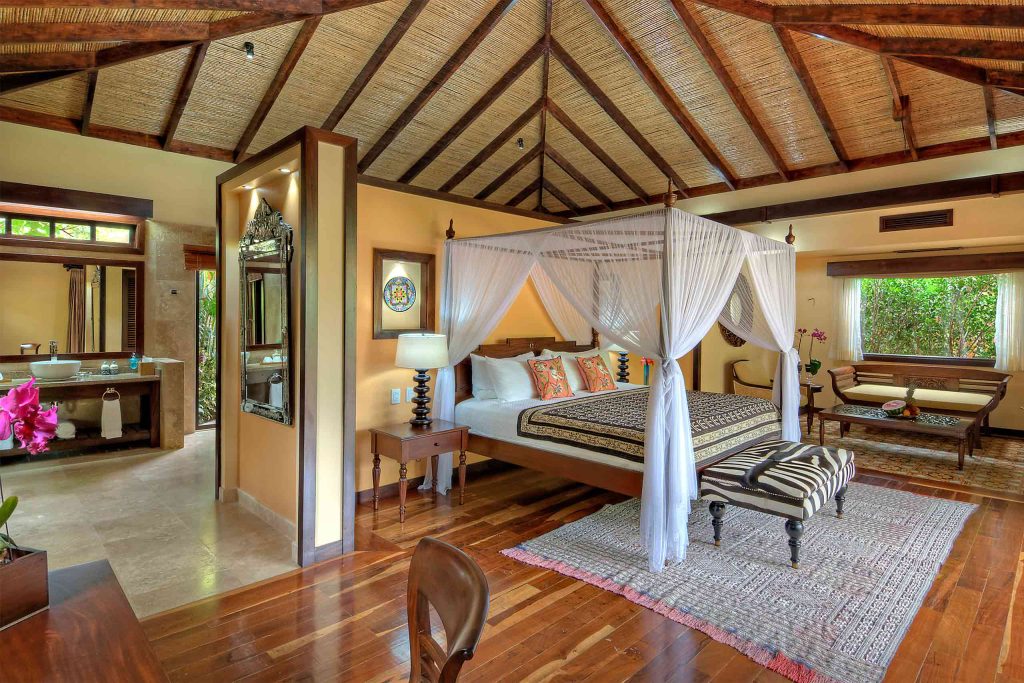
{"x":957,"y":32}
{"x":32,"y":15}
{"x":1009,"y":110}
{"x":669,"y":48}
{"x":588,"y":115}
{"x":230,"y":87}
{"x":854,"y":86}
{"x":519,"y":97}
{"x":25,"y":48}
{"x":999,"y":64}
{"x":892,"y":2}
{"x":754,"y":58}
{"x":566,"y":144}
{"x":65,"y":97}
{"x":520,"y":180}
{"x":339,"y":49}
{"x":943,"y":109}
{"x":502,"y":159}
{"x":139,"y":95}
{"x":435,"y":35}
{"x":510,"y":39}
{"x":586,"y":40}
{"x":564,"y":182}
{"x":551,"y":202}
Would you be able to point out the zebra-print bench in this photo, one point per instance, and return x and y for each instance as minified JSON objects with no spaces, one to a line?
{"x":782,"y":478}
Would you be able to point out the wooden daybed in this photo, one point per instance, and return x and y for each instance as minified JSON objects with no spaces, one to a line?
{"x":600,"y":475}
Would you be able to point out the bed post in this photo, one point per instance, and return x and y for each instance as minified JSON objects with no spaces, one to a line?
{"x":595,"y":338}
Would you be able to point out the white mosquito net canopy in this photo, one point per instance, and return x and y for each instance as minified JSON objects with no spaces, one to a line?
{"x":654,"y":283}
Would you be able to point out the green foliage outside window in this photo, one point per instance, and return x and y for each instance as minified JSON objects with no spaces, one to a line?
{"x":207,"y":322}
{"x":27,"y":228}
{"x":937,"y":316}
{"x":106,"y":233}
{"x":73,"y":231}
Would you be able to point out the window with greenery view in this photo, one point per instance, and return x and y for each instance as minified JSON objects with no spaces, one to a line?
{"x":952,"y":317}
{"x":45,"y":227}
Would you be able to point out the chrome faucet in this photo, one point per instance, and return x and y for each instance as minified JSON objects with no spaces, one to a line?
{"x":53,"y":349}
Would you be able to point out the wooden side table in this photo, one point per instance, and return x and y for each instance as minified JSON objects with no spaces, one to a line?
{"x":404,"y":442}
{"x":812,"y":389}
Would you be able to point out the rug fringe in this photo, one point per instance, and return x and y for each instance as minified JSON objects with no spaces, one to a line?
{"x":771,"y":659}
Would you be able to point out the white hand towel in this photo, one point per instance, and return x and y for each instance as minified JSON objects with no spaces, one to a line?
{"x":65,"y":430}
{"x":110,"y":419}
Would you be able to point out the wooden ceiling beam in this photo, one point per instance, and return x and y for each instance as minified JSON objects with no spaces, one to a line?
{"x":90,"y":100}
{"x":544,"y":81}
{"x":561,"y":196}
{"x":493,"y":146}
{"x":288,"y":65}
{"x":990,"y":117}
{"x":949,"y":47}
{"x":803,"y":75}
{"x":576,"y":175}
{"x":616,"y":115}
{"x":475,"y":110}
{"x":376,"y":60}
{"x":188,"y":81}
{"x":662,"y":91}
{"x":525,"y":193}
{"x":467,"y":48}
{"x":900,"y":106}
{"x":595,"y":149}
{"x":14,"y":62}
{"x":733,"y":89}
{"x":520,"y":163}
{"x":995,"y":16}
{"x":103,"y":31}
{"x":311,"y":6}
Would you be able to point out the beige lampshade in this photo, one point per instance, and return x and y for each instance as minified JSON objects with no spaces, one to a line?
{"x":615,"y":348}
{"x":422,"y":351}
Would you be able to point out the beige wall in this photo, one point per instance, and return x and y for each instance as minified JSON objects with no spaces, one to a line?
{"x":35,"y":305}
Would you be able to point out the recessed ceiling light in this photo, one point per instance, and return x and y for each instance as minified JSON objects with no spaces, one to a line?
{"x":247,"y":186}
{"x":520,"y":144}
{"x":284,"y":169}
{"x":250,"y":51}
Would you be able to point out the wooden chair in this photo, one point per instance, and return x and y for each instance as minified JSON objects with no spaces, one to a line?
{"x":750,"y":385}
{"x":443,"y":576}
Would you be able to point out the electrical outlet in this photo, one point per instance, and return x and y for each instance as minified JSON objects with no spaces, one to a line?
{"x":408,"y":394}
{"x":396,"y":396}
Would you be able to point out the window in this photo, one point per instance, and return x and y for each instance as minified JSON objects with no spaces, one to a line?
{"x":943,"y":317}
{"x":27,"y":227}
{"x":68,"y":230}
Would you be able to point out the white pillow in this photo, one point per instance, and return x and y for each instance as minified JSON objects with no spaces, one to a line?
{"x":512,"y":378}
{"x":482,"y":385}
{"x":572,"y":370}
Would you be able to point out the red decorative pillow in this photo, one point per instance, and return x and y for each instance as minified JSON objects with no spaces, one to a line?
{"x":595,"y":374}
{"x":549,"y":376}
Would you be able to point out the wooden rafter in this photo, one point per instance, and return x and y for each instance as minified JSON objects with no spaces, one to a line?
{"x":560,"y":196}
{"x":616,"y":115}
{"x":493,"y":146}
{"x":803,"y":75}
{"x":362,"y":79}
{"x":291,"y":59}
{"x":662,"y":91}
{"x":900,"y":106}
{"x":524,"y":193}
{"x":990,"y":117}
{"x":520,"y":163}
{"x":14,"y":62}
{"x":576,"y":175}
{"x":997,"y":16}
{"x":595,"y":149}
{"x":707,"y":50}
{"x":310,"y":6}
{"x":437,"y":82}
{"x":188,"y":81}
{"x":90,"y":100}
{"x":474,"y":111}
{"x":103,"y":31}
{"x":544,"y":80}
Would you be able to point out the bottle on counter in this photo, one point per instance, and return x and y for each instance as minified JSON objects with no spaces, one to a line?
{"x":133,"y":363}
{"x":105,"y":369}
{"x":113,"y":367}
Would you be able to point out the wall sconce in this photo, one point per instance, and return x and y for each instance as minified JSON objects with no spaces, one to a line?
{"x":790,"y":237}
{"x":250,"y":51}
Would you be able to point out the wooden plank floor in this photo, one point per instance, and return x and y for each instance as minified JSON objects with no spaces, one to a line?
{"x":345,"y":619}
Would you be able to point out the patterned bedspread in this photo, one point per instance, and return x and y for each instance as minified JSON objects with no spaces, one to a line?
{"x":613,"y":423}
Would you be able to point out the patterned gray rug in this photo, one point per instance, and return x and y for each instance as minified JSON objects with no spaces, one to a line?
{"x":840,"y":617}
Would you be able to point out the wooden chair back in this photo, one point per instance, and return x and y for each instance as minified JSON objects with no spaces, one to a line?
{"x":444,"y":577}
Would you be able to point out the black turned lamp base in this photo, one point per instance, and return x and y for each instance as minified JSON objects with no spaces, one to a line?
{"x":421,"y":413}
{"x":623,"y":366}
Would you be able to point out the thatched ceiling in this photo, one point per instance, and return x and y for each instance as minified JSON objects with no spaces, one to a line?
{"x":609,"y":97}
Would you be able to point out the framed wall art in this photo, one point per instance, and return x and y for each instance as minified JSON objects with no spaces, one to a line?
{"x":403,"y":293}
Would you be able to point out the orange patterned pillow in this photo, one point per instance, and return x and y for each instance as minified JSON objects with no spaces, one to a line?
{"x":549,"y":376}
{"x":595,"y":374}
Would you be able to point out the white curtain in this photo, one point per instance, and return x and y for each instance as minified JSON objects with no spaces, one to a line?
{"x":566,"y":317}
{"x":480,"y":280}
{"x":1010,"y":322}
{"x":846,"y":339}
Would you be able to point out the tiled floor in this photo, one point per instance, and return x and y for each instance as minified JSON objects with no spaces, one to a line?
{"x":153,"y":516}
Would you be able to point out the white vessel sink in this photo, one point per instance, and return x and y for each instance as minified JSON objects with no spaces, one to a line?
{"x":55,"y":369}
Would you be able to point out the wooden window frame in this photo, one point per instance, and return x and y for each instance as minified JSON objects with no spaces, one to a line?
{"x":133,"y":246}
{"x":931,"y":360}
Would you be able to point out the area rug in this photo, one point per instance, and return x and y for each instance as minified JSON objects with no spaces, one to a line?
{"x":840,"y":617}
{"x":997,"y":466}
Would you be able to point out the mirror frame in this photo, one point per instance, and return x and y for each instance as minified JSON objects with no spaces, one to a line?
{"x":267,"y":225}
{"x":140,"y":305}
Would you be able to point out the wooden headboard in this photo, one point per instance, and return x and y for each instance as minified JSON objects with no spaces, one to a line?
{"x":511,"y":347}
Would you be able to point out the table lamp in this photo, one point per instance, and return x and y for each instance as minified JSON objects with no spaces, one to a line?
{"x":421,"y":352}
{"x":623,"y":361}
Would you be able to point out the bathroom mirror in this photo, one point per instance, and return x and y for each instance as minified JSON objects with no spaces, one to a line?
{"x":264,"y":256}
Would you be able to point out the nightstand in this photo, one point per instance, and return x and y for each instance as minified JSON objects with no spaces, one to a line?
{"x":404,"y":442}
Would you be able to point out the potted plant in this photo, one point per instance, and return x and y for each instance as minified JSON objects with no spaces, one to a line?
{"x":23,"y":578}
{"x":813,"y":364}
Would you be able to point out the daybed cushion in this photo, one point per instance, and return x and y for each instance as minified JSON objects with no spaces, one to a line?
{"x":938,"y":399}
{"x":795,"y":490}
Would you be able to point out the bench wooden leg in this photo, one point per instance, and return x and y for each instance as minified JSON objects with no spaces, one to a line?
{"x":840,"y":499}
{"x":717,"y":512}
{"x":795,"y":529}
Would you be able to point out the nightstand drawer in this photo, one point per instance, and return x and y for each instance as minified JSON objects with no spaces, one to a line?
{"x":434,"y":444}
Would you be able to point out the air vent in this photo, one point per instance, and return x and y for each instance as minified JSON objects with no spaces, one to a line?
{"x":915,"y":221}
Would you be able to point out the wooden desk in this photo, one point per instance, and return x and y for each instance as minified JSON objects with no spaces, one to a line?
{"x":90,"y":633}
{"x":404,"y":442}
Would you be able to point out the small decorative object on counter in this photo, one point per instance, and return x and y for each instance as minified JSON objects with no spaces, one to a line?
{"x":147,"y":367}
{"x":113,"y":367}
{"x":133,"y":363}
{"x":647,"y":363}
{"x":105,"y":369}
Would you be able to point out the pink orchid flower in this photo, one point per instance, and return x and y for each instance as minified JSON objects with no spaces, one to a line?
{"x":20,"y":414}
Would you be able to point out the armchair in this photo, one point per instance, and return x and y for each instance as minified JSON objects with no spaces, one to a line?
{"x":747,"y":381}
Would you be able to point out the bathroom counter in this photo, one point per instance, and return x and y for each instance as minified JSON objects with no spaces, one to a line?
{"x":90,"y":381}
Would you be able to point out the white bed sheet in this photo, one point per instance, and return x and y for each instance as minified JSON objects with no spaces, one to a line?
{"x":498,"y":419}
